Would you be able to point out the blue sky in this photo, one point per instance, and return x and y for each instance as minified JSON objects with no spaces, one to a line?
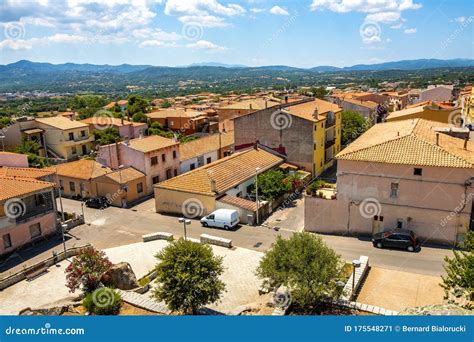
{"x":301,"y":33}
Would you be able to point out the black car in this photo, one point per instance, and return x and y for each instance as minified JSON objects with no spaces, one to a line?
{"x":97,"y":202}
{"x":397,"y":238}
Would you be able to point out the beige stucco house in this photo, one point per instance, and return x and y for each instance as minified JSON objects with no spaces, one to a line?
{"x":403,"y":174}
{"x":66,"y":138}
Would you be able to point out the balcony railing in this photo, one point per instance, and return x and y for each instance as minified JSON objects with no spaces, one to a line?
{"x":329,"y":143}
{"x":31,"y":212}
{"x":330,"y":123}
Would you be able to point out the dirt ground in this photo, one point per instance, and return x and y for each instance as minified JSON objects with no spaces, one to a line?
{"x":396,"y":290}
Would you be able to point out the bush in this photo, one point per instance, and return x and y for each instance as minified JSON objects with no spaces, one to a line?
{"x":103,"y":301}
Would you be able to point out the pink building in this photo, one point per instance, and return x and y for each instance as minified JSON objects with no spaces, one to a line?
{"x":404,"y":174}
{"x":127,"y":129}
{"x":155,"y":156}
{"x":27,"y":212}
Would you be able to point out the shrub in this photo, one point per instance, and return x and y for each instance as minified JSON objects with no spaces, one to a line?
{"x":103,"y":301}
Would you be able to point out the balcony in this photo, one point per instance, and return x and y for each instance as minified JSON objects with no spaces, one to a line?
{"x":330,"y":123}
{"x":329,"y":143}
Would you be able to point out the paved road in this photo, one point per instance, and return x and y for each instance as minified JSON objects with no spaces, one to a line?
{"x":116,"y":227}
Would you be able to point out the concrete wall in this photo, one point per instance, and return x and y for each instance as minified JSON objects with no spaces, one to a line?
{"x":425,"y":204}
{"x":170,"y":201}
{"x":13,"y":160}
{"x":119,"y":196}
{"x":20,"y":233}
{"x":90,"y":189}
{"x":186,"y":164}
{"x":297,"y":140}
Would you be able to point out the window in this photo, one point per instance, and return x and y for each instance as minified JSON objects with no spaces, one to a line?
{"x":314,"y":147}
{"x":71,"y":136}
{"x":168,"y":174}
{"x":74,"y":150}
{"x":72,"y":186}
{"x":154,"y":160}
{"x":192,"y":166}
{"x":140,"y":188}
{"x":163,"y":157}
{"x":394,"y":190}
{"x":209,"y":160}
{"x":7,"y":241}
{"x":399,"y":223}
{"x":82,"y":187}
{"x":61,"y":184}
{"x":155,"y":179}
{"x":175,"y":172}
{"x":175,"y":155}
{"x":417,"y":171}
{"x":381,"y":218}
{"x":39,"y":200}
{"x":83,"y":133}
{"x":315,"y":128}
{"x":35,"y":230}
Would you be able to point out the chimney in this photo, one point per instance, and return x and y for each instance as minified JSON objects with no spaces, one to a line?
{"x":250,"y":106}
{"x":122,"y":119}
{"x":266,"y":104}
{"x":213,"y":185}
{"x":465,"y":142}
{"x":437,"y":139}
{"x":286,"y":99}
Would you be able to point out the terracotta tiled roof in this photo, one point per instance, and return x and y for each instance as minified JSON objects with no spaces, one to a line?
{"x":105,"y":121}
{"x":173,"y":113}
{"x":20,"y":187}
{"x":151,"y":143}
{"x":204,"y":145}
{"x":240,"y":202}
{"x":25,"y":172}
{"x":366,"y":104}
{"x":62,"y":122}
{"x":256,"y":104}
{"x":226,"y":173}
{"x":306,"y":110}
{"x":410,"y":142}
{"x":82,"y":169}
{"x":125,"y":175}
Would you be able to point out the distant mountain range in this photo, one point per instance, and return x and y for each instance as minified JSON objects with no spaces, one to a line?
{"x":415,"y":64}
{"x":70,"y":77}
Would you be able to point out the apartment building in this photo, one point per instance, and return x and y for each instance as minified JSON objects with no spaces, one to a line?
{"x":308,"y":132}
{"x":154,"y":156}
{"x":403,"y":174}
{"x":181,"y":120}
{"x":65,"y":138}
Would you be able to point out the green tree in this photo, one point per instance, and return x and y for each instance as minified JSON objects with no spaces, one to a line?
{"x":459,"y":279}
{"x":165,"y":104}
{"x":319,"y":92}
{"x":188,"y":276}
{"x":272,"y":184}
{"x":353,"y":125}
{"x":86,"y":270}
{"x":5,"y":121}
{"x":31,"y":149}
{"x":136,"y":104}
{"x":107,"y":136}
{"x":139,"y":117}
{"x":306,"y":266}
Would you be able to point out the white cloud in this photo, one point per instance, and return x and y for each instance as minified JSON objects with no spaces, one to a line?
{"x":156,"y":43}
{"x":16,"y":44}
{"x":410,"y":31}
{"x":277,"y":10}
{"x":384,"y":17}
{"x":205,"y":45}
{"x":397,"y":26}
{"x":204,"y":20}
{"x":366,"y":6}
{"x":201,"y":7}
{"x":257,"y":10}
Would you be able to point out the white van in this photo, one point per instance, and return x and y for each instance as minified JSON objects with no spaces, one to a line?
{"x":221,"y":218}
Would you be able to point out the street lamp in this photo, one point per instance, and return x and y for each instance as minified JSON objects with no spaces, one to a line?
{"x":355,"y":264}
{"x":185,"y":222}
{"x":256,"y":193}
{"x":63,"y":229}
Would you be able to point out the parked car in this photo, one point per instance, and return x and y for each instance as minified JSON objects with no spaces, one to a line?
{"x":221,"y":218}
{"x":396,"y":238}
{"x":100,"y":202}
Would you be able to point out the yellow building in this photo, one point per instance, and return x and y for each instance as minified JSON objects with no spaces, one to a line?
{"x":66,"y":138}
